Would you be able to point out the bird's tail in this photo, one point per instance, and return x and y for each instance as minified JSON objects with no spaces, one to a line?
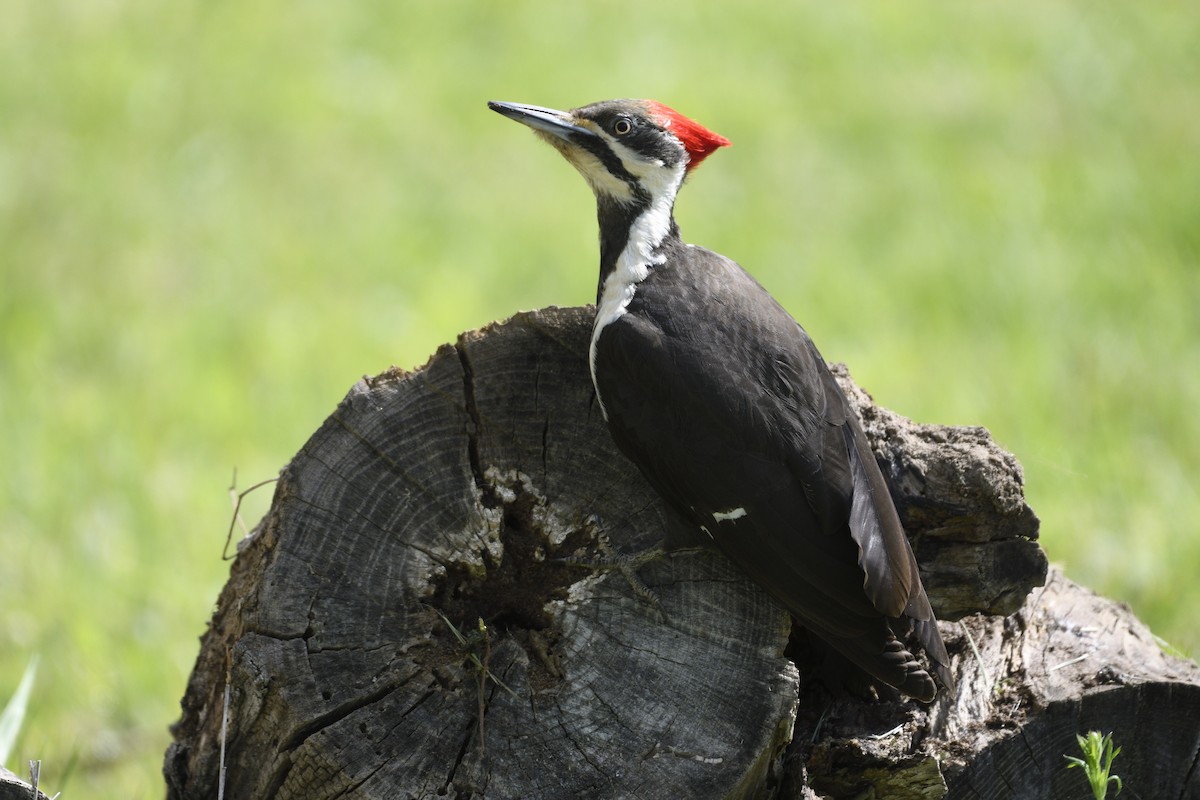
{"x":885,"y":658}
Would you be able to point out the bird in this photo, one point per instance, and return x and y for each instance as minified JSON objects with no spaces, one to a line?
{"x":721,"y":399}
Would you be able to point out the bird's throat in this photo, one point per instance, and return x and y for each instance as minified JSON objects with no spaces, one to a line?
{"x":631,"y":244}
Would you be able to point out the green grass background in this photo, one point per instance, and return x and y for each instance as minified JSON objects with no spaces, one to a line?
{"x":216,"y":216}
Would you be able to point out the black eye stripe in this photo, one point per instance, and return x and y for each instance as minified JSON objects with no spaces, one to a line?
{"x":612,"y":162}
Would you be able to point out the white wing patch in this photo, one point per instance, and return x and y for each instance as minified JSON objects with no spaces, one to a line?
{"x":730,"y":515}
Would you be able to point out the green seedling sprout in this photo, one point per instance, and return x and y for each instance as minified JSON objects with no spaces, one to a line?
{"x":1097,"y":749}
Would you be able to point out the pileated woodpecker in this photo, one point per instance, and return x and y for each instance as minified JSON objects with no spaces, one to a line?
{"x":724,"y":403}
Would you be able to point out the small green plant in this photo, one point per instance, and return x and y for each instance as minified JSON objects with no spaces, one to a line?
{"x":472,"y":640}
{"x":483,"y":640}
{"x":13,"y":714}
{"x":1098,"y":755}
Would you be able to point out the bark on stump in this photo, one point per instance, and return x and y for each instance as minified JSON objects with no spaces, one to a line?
{"x":14,"y":787}
{"x":350,"y":634}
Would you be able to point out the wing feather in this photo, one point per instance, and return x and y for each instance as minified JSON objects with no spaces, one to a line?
{"x":744,"y":414}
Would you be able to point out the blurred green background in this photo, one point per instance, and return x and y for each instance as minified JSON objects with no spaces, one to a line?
{"x":216,"y":216}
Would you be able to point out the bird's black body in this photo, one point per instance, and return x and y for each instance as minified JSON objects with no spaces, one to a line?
{"x":728,"y":409}
{"x":741,"y":428}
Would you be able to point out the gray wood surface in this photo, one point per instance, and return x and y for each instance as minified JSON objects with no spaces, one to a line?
{"x":1066,"y":662}
{"x":14,"y":787}
{"x":349,"y":631}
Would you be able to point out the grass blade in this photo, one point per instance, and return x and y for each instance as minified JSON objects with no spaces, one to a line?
{"x":13,"y":715}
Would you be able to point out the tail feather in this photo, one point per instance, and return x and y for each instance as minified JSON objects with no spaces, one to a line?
{"x":885,"y":658}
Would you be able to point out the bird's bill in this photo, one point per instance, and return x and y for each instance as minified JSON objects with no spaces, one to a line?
{"x":547,"y":120}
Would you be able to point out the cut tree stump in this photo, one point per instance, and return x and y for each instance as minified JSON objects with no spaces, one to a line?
{"x":402,"y":622}
{"x":13,"y":787}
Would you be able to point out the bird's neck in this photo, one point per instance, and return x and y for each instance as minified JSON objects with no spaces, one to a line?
{"x":632,"y":239}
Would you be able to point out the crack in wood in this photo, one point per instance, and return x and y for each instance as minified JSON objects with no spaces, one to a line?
{"x":1188,"y":784}
{"x":474,"y":426}
{"x":340,"y":712}
{"x":468,"y":733}
{"x":584,"y":752}
{"x":436,"y":462}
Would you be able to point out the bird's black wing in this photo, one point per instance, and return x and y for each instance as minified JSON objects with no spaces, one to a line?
{"x":742,"y":429}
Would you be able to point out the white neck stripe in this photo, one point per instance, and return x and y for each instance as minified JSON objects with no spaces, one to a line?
{"x":637,"y":259}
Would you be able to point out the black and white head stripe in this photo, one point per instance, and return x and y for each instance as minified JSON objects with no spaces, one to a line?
{"x":620,"y":147}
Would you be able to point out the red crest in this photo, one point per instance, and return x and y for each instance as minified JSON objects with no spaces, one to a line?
{"x":698,"y":140}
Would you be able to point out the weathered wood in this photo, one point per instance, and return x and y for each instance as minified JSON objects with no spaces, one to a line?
{"x":437,"y":498}
{"x":1066,"y":662}
{"x":13,"y":787}
{"x":962,"y":501}
{"x":431,"y":500}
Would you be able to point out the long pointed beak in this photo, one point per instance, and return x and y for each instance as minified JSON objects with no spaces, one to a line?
{"x":546,"y":120}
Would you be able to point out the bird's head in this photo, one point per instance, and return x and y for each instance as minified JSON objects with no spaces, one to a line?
{"x":630,"y":151}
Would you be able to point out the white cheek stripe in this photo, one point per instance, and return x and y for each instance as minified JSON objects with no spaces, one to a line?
{"x":635,"y":262}
{"x":731,"y":514}
{"x":597,"y":175}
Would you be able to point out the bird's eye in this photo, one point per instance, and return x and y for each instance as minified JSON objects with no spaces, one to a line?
{"x":622,"y":126}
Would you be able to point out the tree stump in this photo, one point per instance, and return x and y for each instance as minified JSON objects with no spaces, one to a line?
{"x":13,"y":787}
{"x":1066,"y":662}
{"x":403,"y":623}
